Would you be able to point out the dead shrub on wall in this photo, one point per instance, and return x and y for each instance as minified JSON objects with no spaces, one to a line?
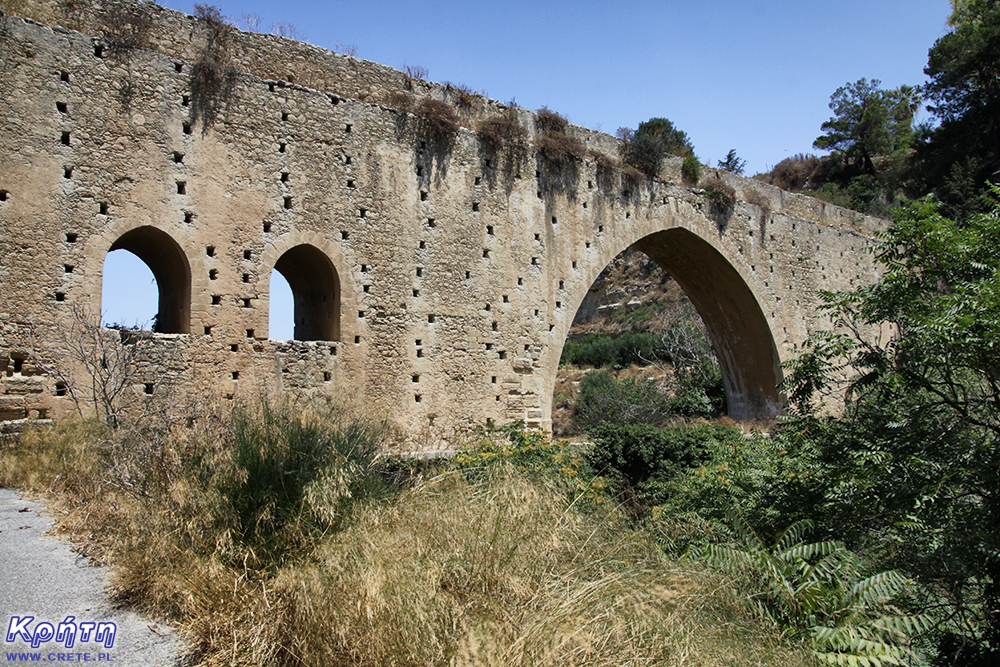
{"x":556,"y":146}
{"x":400,"y":100}
{"x":503,"y":131}
{"x":793,"y":173}
{"x":213,"y":77}
{"x":721,"y":195}
{"x":760,"y":200}
{"x":438,"y":120}
{"x":464,"y":97}
{"x":550,"y":122}
{"x":125,"y":28}
{"x":414,"y":74}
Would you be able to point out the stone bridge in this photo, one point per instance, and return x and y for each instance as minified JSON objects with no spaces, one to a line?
{"x":434,"y":276}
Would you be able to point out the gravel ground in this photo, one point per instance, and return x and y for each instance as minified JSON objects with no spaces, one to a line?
{"x":41,"y":576}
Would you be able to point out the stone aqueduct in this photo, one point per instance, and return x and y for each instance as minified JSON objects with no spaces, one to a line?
{"x":437,"y":281}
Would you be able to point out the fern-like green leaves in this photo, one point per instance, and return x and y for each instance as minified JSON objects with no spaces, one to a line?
{"x":816,"y":590}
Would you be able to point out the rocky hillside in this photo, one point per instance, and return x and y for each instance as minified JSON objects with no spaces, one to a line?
{"x":633,"y":293}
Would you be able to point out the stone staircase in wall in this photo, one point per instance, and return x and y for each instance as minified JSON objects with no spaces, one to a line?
{"x":26,"y":394}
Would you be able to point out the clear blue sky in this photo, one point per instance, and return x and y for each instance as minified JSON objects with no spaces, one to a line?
{"x":753,"y":75}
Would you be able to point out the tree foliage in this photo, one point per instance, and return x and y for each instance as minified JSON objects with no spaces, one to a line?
{"x":651,"y":142}
{"x":868,"y":122}
{"x":919,"y":448}
{"x":961,"y":155}
{"x":733,"y":163}
{"x":819,"y":590}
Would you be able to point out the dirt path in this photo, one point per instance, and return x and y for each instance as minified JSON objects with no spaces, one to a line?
{"x":41,"y":577}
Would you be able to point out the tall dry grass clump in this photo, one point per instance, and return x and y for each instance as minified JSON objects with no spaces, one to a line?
{"x":274,"y":537}
{"x":504,"y":569}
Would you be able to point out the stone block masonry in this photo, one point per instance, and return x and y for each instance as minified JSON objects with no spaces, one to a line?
{"x":434,"y":277}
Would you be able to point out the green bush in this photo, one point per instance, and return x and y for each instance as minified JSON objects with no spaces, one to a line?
{"x":769,"y":481}
{"x":691,"y":170}
{"x":700,"y":390}
{"x":605,"y":351}
{"x":645,"y":153}
{"x":652,"y":141}
{"x":604,"y":399}
{"x":645,"y":458}
{"x":292,"y":475}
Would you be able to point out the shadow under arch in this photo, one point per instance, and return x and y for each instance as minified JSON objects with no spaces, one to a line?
{"x":737,"y":327}
{"x":316,"y":294}
{"x":165,"y":258}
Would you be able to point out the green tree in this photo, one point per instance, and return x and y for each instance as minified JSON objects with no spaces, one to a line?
{"x":963,"y":153}
{"x":919,"y":447}
{"x":652,"y":141}
{"x":869,"y":122}
{"x":733,"y":163}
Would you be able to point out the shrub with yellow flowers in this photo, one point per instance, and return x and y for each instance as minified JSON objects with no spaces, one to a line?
{"x":533,"y":452}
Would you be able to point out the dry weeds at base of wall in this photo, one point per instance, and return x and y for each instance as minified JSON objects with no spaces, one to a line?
{"x":497,"y":569}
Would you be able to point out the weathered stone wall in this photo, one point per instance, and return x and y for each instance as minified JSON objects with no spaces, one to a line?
{"x":440,"y":278}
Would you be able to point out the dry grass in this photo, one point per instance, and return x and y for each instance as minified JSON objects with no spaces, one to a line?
{"x":474,"y":567}
{"x":555,"y":145}
{"x":500,"y":571}
{"x":503,"y":131}
{"x":438,"y":120}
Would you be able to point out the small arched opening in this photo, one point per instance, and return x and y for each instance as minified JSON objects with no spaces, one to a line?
{"x":171,"y":271}
{"x":315,"y":287}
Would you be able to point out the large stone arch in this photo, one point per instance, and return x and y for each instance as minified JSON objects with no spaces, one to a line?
{"x":736,"y":323}
{"x":171,"y":268}
{"x":315,"y":271}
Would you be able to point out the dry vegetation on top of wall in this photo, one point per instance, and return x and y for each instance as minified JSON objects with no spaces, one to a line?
{"x":213,"y":76}
{"x":721,"y":195}
{"x":555,"y":144}
{"x":125,"y":28}
{"x":464,"y":97}
{"x":438,"y":120}
{"x":503,"y":131}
